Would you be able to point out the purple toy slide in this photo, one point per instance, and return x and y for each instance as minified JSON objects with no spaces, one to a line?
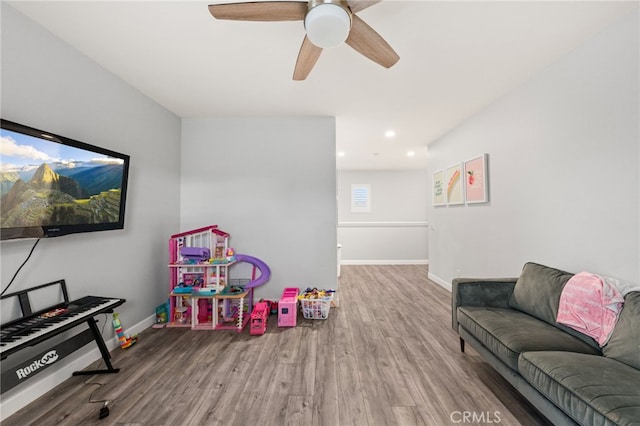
{"x":265,"y":272}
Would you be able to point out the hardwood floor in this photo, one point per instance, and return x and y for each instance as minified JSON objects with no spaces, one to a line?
{"x":386,"y":356}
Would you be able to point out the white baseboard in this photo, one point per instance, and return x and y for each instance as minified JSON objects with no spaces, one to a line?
{"x":23,"y":394}
{"x":442,"y":283}
{"x":385,"y":262}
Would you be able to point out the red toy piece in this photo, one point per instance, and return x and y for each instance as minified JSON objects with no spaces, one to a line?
{"x":259,"y":318}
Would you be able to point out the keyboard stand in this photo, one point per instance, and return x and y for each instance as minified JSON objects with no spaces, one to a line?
{"x":10,"y":378}
{"x":13,"y":375}
{"x":106,"y":356}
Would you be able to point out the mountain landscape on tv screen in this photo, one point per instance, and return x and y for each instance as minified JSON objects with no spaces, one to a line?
{"x":44,"y":197}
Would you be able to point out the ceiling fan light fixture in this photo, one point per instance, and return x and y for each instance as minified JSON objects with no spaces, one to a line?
{"x":327,"y":24}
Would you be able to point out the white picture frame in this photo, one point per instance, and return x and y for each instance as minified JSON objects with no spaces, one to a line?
{"x":438,"y":188}
{"x":454,"y":188}
{"x":476,"y":182}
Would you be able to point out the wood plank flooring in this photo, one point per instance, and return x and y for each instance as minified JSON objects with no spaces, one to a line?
{"x":386,"y":356}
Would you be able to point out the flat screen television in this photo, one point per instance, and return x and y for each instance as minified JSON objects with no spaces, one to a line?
{"x":52,"y":185}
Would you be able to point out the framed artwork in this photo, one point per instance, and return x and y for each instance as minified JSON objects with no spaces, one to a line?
{"x":475,"y":180}
{"x":438,"y":189}
{"x":455,"y":191}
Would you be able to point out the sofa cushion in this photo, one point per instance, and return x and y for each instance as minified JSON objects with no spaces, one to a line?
{"x":624,"y":344}
{"x":592,"y":389}
{"x":507,"y":333}
{"x":537,"y":291}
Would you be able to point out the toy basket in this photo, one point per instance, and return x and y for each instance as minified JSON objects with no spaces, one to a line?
{"x":316,"y":308}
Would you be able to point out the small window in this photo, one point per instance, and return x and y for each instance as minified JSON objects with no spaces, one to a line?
{"x":360,"y":198}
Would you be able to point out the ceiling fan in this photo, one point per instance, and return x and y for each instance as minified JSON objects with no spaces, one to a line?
{"x":328,"y":23}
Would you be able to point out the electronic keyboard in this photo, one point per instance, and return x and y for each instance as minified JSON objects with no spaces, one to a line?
{"x":30,"y":328}
{"x":29,"y":331}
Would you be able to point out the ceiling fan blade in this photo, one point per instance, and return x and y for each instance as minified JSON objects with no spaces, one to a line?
{"x":260,"y":11}
{"x":307,"y":58}
{"x":369,"y":43}
{"x":358,"y":5}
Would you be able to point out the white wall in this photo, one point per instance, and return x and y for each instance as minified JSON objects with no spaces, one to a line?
{"x":395,"y":230}
{"x":270,"y":183}
{"x":563,"y":170}
{"x":48,"y":85}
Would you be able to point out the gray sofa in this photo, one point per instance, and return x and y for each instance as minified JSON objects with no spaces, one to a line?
{"x":512,"y":324}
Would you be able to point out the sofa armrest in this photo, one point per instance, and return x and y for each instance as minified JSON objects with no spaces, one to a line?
{"x":489,"y":292}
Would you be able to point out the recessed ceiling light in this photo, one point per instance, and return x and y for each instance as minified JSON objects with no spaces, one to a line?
{"x":340,"y":154}
{"x":389,"y":134}
{"x":411,"y":153}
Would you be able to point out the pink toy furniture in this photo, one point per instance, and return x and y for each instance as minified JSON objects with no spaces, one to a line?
{"x":259,"y":318}
{"x":288,"y":307}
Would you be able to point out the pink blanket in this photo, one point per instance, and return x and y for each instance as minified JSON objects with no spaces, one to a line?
{"x":590,"y":305}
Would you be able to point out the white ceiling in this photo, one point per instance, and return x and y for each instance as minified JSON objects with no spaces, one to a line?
{"x":455,"y":59}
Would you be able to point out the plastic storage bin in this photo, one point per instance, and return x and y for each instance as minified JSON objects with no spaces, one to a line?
{"x":288,"y":307}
